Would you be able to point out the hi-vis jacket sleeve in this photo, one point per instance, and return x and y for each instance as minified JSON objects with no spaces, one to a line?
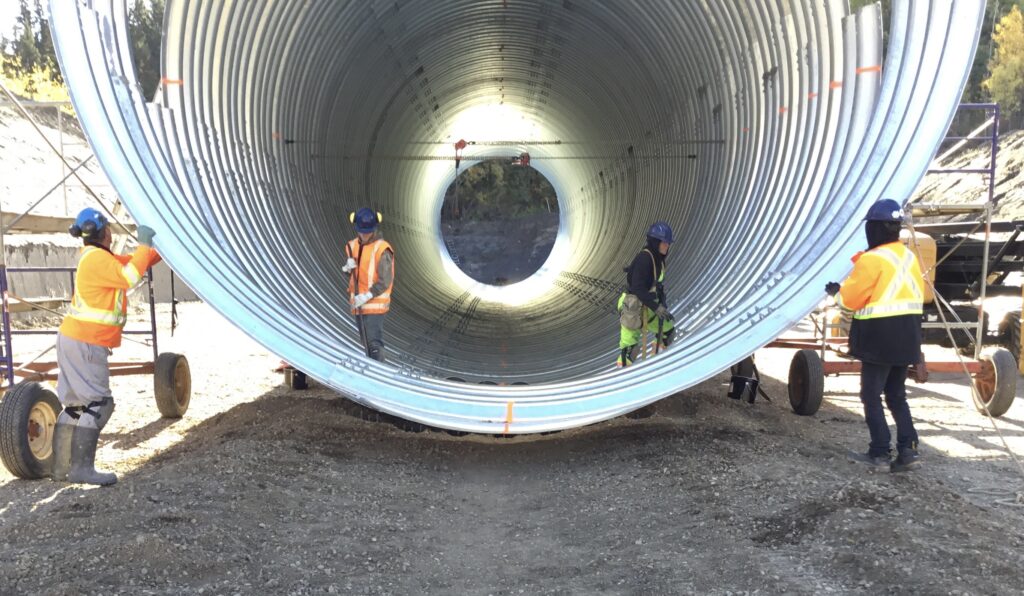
{"x":855,"y":293}
{"x":125,"y":270}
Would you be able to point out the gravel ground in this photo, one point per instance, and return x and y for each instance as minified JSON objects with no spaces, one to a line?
{"x":261,"y":489}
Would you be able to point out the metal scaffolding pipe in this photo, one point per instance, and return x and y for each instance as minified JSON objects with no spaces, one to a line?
{"x":276,"y":119}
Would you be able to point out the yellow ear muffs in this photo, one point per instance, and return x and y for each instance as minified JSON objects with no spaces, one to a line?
{"x":352,"y":217}
{"x":380,"y":218}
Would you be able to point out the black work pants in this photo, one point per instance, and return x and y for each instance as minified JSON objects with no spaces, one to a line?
{"x":373,"y":328}
{"x":874,"y":380}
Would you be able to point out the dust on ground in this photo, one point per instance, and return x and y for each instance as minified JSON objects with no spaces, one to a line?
{"x":262,"y":489}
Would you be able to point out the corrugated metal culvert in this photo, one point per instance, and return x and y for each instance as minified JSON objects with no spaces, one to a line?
{"x":761,"y":130}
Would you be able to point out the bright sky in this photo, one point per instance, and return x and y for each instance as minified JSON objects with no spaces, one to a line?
{"x":8,"y":16}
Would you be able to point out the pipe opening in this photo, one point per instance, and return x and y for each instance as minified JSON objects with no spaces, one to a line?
{"x":499,"y":221}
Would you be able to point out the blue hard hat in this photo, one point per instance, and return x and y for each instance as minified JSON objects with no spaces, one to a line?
{"x":88,"y":224}
{"x":366,"y":220}
{"x":885,"y":210}
{"x":661,"y":231}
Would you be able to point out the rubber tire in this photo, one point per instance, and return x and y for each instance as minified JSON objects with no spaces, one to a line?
{"x":172,"y":384}
{"x":806,"y":382}
{"x":15,"y":451}
{"x":1009,"y":333}
{"x":1005,"y":383}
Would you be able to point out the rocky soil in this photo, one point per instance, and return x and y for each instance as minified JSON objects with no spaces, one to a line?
{"x":262,"y":489}
{"x":502,"y":252}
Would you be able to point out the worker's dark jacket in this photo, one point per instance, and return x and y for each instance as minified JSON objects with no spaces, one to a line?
{"x":893,"y":340}
{"x":641,"y":276}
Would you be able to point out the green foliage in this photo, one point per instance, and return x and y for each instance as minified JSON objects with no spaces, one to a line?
{"x":29,"y":60}
{"x":1006,"y":82}
{"x":975,"y":90}
{"x":25,"y":46}
{"x":145,"y":25}
{"x":497,"y":189}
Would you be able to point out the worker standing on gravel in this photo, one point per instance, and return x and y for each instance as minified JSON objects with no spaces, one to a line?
{"x":371,"y":270}
{"x":90,"y":330}
{"x":642,"y":306}
{"x":886,"y":294}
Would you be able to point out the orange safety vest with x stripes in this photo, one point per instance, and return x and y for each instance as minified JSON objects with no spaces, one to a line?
{"x":886,"y":282}
{"x":99,"y":305}
{"x":367,"y":258}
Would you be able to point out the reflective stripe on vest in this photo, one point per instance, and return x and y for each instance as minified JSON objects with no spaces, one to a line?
{"x":131,"y":274}
{"x":888,"y":305}
{"x":83,"y":312}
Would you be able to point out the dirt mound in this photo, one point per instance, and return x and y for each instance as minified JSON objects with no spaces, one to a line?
{"x":973,"y":188}
{"x":260,"y":489}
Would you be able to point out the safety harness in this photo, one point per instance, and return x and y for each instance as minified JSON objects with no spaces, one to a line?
{"x":77,"y":411}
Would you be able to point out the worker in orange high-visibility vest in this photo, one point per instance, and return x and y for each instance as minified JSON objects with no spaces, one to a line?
{"x":90,"y":330}
{"x":371,"y":270}
{"x":886,"y":294}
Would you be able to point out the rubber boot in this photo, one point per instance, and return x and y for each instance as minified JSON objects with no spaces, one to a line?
{"x":377,"y":354}
{"x":61,"y":451}
{"x":83,"y":459}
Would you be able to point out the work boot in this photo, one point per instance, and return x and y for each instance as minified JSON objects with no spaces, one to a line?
{"x":874,"y":462}
{"x":908,"y":459}
{"x":377,"y":354}
{"x":83,"y":459}
{"x":626,"y":357}
{"x":61,"y":451}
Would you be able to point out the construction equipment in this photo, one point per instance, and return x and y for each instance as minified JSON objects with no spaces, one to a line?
{"x":963,"y":325}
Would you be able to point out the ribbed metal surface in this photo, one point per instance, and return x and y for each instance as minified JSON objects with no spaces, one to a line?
{"x":795,"y":124}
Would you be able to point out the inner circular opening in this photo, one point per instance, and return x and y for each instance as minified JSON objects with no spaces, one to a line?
{"x":499,"y":220}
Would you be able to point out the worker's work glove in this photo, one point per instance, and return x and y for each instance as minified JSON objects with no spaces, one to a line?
{"x":663,"y":314}
{"x":145,"y":235}
{"x":832,"y":288}
{"x":361,"y":299}
{"x":350,"y":264}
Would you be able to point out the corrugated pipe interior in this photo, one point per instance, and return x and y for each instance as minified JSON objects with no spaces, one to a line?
{"x":761,"y":130}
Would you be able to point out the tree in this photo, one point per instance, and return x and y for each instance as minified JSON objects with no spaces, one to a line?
{"x":25,"y":42}
{"x":44,"y":43}
{"x":145,"y":25}
{"x":1006,"y":82}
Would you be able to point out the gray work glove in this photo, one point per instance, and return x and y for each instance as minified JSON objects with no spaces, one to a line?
{"x":663,"y":314}
{"x":349,"y":265}
{"x":361,"y":299}
{"x":145,"y":235}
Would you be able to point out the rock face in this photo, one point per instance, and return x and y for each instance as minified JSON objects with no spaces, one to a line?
{"x":501,"y":252}
{"x":973,"y":188}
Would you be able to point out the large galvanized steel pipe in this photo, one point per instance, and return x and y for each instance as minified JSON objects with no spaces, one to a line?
{"x":761,"y":130}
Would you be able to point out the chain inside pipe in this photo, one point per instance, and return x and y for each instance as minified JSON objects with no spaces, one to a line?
{"x":760,"y":130}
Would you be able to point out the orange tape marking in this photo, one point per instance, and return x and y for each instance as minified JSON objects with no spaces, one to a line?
{"x":835,"y":85}
{"x":508,"y":415}
{"x":167,"y":81}
{"x":783,"y":110}
{"x":812,"y":95}
{"x":864,"y":69}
